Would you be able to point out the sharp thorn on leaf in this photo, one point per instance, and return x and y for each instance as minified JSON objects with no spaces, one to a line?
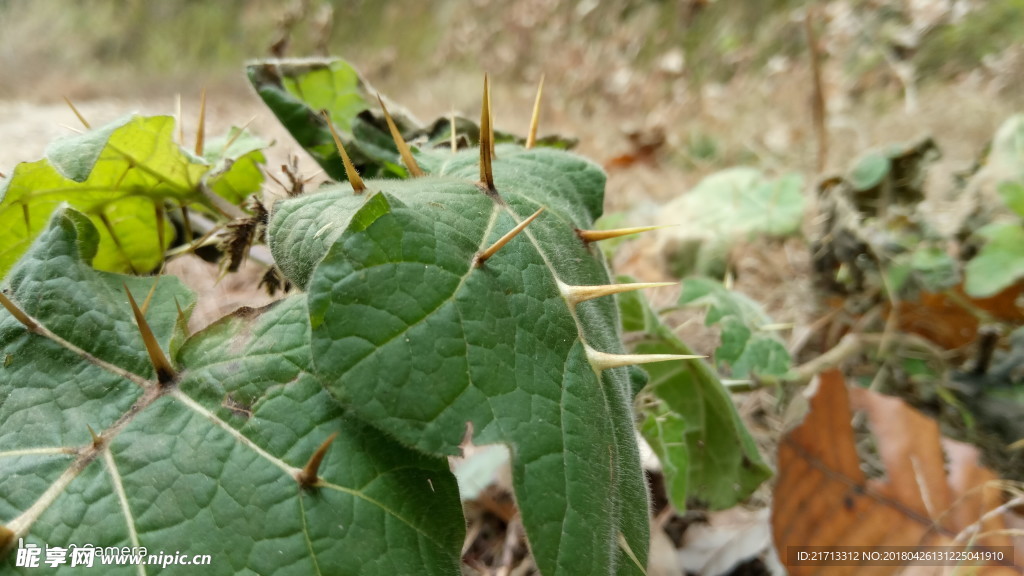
{"x":455,"y":136}
{"x":164,"y":371}
{"x":182,"y":320}
{"x":403,"y":148}
{"x":350,"y":169}
{"x":179,"y":120}
{"x":97,"y":440}
{"x":490,"y":123}
{"x":201,"y":128}
{"x":6,"y":539}
{"x":238,"y":133}
{"x":18,"y":314}
{"x":77,"y":113}
{"x":486,"y":150}
{"x":531,"y":136}
{"x":307,"y":477}
{"x":152,"y":290}
{"x":576,"y":294}
{"x":482,"y":257}
{"x":603,"y":360}
{"x":596,"y":235}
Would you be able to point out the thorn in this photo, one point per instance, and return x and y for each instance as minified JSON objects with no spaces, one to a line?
{"x":596,"y":235}
{"x":486,"y":149}
{"x":18,"y":314}
{"x":307,"y":477}
{"x":482,"y":257}
{"x":97,"y":440}
{"x":201,"y":129}
{"x":181,"y":317}
{"x":531,"y":136}
{"x":350,"y":170}
{"x":77,"y":113}
{"x":152,"y":290}
{"x":164,"y":371}
{"x":603,"y":360}
{"x":28,"y":219}
{"x":177,"y":116}
{"x":6,"y":539}
{"x":455,"y":138}
{"x":490,"y":123}
{"x":186,"y":223}
{"x":403,"y":148}
{"x":576,"y":294}
{"x":238,"y":133}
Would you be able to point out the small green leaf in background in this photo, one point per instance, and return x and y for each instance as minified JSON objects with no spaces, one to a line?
{"x":689,"y":420}
{"x":999,"y":264}
{"x":730,"y":206}
{"x":1013,"y":194}
{"x":869,"y":170}
{"x":120,"y":175}
{"x":745,"y":347}
{"x":207,"y":464}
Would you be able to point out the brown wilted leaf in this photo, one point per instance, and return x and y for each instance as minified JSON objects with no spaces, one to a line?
{"x":823,"y":498}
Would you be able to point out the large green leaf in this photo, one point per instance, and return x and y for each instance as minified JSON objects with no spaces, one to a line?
{"x":419,"y":341}
{"x":689,"y":420}
{"x":207,"y":463}
{"x":120,"y":175}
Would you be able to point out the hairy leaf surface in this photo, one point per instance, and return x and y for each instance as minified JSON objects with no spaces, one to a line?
{"x":206,"y":464}
{"x":419,"y":342}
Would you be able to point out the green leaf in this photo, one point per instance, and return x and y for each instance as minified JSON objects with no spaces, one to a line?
{"x":236,"y":172}
{"x":418,"y":341}
{"x":119,"y":175}
{"x":207,"y":464}
{"x":297,"y":90}
{"x":706,"y":452}
{"x":665,"y":432}
{"x":729,"y":206}
{"x":869,"y":170}
{"x":1013,"y":194}
{"x":999,"y":264}
{"x":745,"y":347}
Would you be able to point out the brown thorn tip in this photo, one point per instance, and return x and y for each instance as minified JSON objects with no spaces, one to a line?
{"x":18,"y":314}
{"x":164,"y":371}
{"x":596,"y":235}
{"x":486,"y":146}
{"x":576,"y":294}
{"x":97,"y":440}
{"x":403,"y":148}
{"x":307,"y":477}
{"x":531,"y":136}
{"x":201,"y":129}
{"x":482,"y":257}
{"x":350,"y":169}
{"x":6,"y":538}
{"x":77,"y":113}
{"x":603,"y":360}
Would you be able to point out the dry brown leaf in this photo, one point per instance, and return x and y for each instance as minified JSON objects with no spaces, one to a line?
{"x":823,"y":498}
